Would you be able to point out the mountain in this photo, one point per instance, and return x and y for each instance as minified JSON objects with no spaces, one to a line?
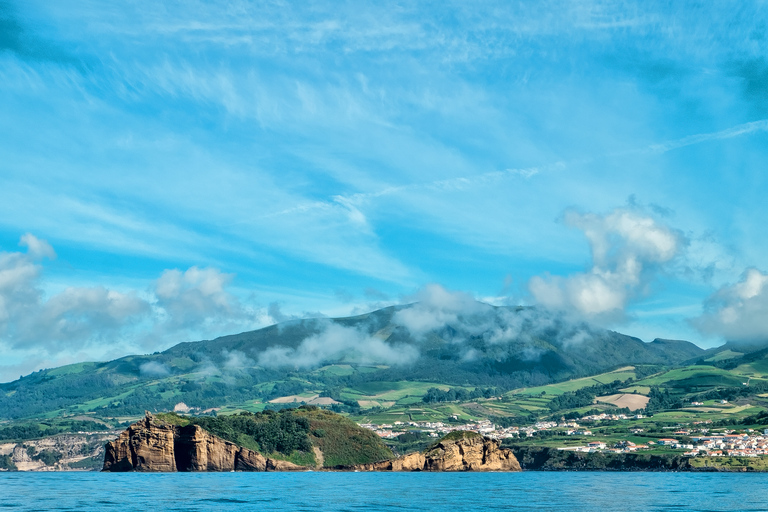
{"x":486,"y":348}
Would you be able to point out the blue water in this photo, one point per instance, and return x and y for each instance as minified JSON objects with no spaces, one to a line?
{"x":423,"y":492}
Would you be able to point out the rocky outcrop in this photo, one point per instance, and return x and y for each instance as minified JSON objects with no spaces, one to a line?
{"x":459,"y":451}
{"x":152,"y":445}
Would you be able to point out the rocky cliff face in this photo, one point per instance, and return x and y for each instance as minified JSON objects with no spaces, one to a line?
{"x":151,"y":445}
{"x":74,"y":452}
{"x":464,"y":452}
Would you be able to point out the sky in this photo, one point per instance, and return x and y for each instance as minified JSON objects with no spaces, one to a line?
{"x":174,"y":171}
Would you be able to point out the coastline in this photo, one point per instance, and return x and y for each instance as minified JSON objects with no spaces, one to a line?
{"x":541,"y":458}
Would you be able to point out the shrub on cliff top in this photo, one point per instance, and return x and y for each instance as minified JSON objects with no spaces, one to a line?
{"x":456,"y":435}
{"x":283,"y":432}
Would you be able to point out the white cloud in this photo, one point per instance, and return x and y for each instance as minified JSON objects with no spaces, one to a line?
{"x":334,"y":343}
{"x":276,"y":314}
{"x":738,"y":312}
{"x":236,"y":360}
{"x":154,"y":369}
{"x":79,"y":314}
{"x":196,"y":296}
{"x":95,"y":322}
{"x":65,"y":322}
{"x":628,"y":250}
{"x":17,"y":292}
{"x":437,"y":307}
{"x":36,"y":248}
{"x":499,"y":328}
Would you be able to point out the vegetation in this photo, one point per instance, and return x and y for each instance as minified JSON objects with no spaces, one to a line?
{"x":414,"y":441}
{"x":90,"y":463}
{"x":26,"y":431}
{"x":730,"y":463}
{"x":281,"y":434}
{"x":438,"y":395}
{"x":47,"y":457}
{"x":6,"y":463}
{"x":456,"y":435}
{"x":661,"y":400}
{"x":342,"y":441}
{"x":584,"y":396}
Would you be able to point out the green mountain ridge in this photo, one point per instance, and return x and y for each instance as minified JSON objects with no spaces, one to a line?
{"x":511,"y":366}
{"x":201,"y":375}
{"x":469,"y":350}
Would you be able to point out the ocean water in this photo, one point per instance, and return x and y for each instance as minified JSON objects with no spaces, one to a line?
{"x":354,"y":492}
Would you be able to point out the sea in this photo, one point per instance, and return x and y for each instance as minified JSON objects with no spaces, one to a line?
{"x":355,"y":492}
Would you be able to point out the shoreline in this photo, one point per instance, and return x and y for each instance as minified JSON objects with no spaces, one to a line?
{"x":540,"y":458}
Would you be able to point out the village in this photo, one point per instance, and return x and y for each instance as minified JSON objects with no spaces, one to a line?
{"x":488,"y":429}
{"x":699,"y":442}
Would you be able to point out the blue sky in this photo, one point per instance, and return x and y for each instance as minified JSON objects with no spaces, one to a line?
{"x":181,"y":170}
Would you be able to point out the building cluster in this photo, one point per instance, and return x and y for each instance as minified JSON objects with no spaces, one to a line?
{"x":611,"y":417}
{"x":484,"y":427}
{"x":749,"y":444}
{"x":602,"y":446}
{"x":734,"y":445}
{"x":439,"y":429}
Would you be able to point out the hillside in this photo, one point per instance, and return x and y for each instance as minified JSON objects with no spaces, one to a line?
{"x":351,"y":363}
{"x":466,"y":371}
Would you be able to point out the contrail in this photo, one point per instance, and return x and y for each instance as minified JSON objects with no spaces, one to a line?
{"x":728,"y":133}
{"x":529,"y":172}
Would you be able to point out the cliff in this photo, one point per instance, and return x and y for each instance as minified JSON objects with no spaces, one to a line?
{"x":62,"y":452}
{"x":153,"y":445}
{"x":541,"y":458}
{"x":458,"y":451}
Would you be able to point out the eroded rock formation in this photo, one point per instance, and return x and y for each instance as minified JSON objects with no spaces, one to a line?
{"x":463,"y":452}
{"x":152,"y":445}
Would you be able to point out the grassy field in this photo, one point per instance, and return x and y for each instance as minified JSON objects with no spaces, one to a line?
{"x":694,"y":377}
{"x":336,"y":370}
{"x":643,"y":390}
{"x":621,"y":374}
{"x":725,"y":354}
{"x":754,"y":369}
{"x":394,"y":390}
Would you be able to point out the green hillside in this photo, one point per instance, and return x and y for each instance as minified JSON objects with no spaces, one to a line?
{"x":225,"y":373}
{"x":535,"y":375}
